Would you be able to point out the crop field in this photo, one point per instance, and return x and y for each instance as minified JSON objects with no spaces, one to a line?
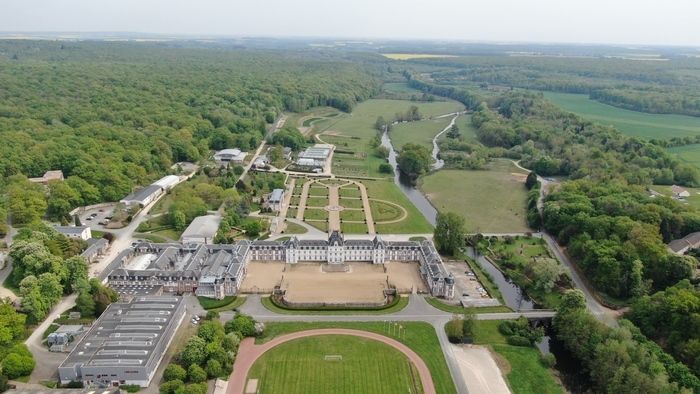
{"x":633,"y":123}
{"x":421,"y":132}
{"x":688,"y":153}
{"x":491,"y":200}
{"x":419,"y":336}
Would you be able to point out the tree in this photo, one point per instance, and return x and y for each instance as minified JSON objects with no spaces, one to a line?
{"x":449,"y":233}
{"x":252,"y":227}
{"x":85,"y":304}
{"x":213,"y":369}
{"x":193,"y":353}
{"x":531,"y":180}
{"x":179,"y":220}
{"x":16,"y":365}
{"x":171,"y":386}
{"x":212,"y":331}
{"x":453,"y":329}
{"x":275,"y":153}
{"x":454,"y":132}
{"x":243,"y":324}
{"x":195,"y":374}
{"x":414,"y":160}
{"x":230,"y":342}
{"x":386,"y":168}
{"x":546,"y":273}
{"x":174,"y":372}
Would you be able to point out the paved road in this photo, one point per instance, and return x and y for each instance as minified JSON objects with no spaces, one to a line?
{"x":249,"y":352}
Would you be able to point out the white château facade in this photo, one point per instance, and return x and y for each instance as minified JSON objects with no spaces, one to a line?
{"x":218,"y":270}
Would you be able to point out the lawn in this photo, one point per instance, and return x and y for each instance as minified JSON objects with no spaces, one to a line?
{"x":421,"y":132}
{"x":293,"y":228}
{"x":353,"y":228}
{"x":352,"y":215}
{"x":459,"y":309}
{"x":464,"y":123}
{"x":382,"y":211}
{"x":300,"y":366}
{"x":349,"y":191}
{"x":323,"y":226}
{"x":688,"y":153}
{"x":318,"y":191}
{"x":351,"y":202}
{"x":419,"y":336}
{"x":414,"y":223}
{"x":315,"y":214}
{"x":394,"y":307}
{"x":226,"y":304}
{"x":490,"y":200}
{"x":317,"y":202}
{"x":292,"y":213}
{"x":633,"y":123}
{"x":526,"y":375}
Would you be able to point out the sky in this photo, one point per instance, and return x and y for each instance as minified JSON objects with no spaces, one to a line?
{"x":653,"y":22}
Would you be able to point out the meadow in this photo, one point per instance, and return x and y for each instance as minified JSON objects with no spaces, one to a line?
{"x":693,"y":200}
{"x":633,"y":123}
{"x":414,"y":223}
{"x":418,"y":336}
{"x":464,"y":123}
{"x":300,"y":367}
{"x":421,"y":132}
{"x":409,"y":56}
{"x":688,"y":153}
{"x":525,"y":373}
{"x":490,"y":200}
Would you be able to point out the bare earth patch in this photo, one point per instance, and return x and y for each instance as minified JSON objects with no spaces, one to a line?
{"x":479,"y":370}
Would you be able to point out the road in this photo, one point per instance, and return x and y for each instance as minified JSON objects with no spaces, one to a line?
{"x":277,"y":125}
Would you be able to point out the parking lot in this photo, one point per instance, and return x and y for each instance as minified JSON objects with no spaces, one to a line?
{"x":468,"y":289}
{"x":96,"y":218}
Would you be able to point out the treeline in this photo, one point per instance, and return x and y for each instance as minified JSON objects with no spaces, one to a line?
{"x":115,"y":115}
{"x":550,"y":141}
{"x":469,"y":99}
{"x":617,"y":360}
{"x":650,"y":86}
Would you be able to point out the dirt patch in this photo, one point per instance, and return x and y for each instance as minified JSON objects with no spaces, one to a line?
{"x":262,"y":276}
{"x":479,"y":370}
{"x":517,"y":177}
{"x":405,"y":276}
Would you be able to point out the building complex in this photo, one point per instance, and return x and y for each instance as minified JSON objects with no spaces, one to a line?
{"x":126,"y":344}
{"x":218,"y":270}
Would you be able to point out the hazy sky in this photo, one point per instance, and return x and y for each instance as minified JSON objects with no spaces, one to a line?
{"x":590,"y":21}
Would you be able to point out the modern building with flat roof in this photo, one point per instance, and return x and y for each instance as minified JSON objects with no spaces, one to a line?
{"x":126,"y":344}
{"x":202,"y":229}
{"x":143,"y":196}
{"x":230,"y":156}
{"x":315,"y":156}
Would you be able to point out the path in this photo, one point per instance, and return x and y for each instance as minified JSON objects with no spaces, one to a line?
{"x":333,"y":213}
{"x":403,"y":216}
{"x":479,"y":370}
{"x":249,"y":352}
{"x":302,"y":200}
{"x":366,"y":207}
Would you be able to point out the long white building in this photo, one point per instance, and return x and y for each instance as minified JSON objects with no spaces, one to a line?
{"x":218,"y":270}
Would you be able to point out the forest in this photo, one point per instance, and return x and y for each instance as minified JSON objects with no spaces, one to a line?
{"x":112,"y":116}
{"x":669,"y":87}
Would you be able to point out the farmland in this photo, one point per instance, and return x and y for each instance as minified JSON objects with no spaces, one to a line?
{"x":688,"y":153}
{"x":491,"y":200}
{"x":628,"y":122}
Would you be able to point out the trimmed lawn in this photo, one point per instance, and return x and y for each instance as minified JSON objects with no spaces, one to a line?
{"x":300,"y":366}
{"x":354,"y":228}
{"x":352,"y":215}
{"x":351,"y":202}
{"x":293,"y":228}
{"x":415,"y":222}
{"x":349,"y":191}
{"x":419,"y":336}
{"x":294,"y":201}
{"x":396,"y":307}
{"x":458,"y":309}
{"x":315,"y":214}
{"x":226,"y":304}
{"x":382,"y":211}
{"x":491,"y":200}
{"x":323,"y":226}
{"x":526,"y":374}
{"x":464,"y":123}
{"x":632,"y":123}
{"x":318,"y":191}
{"x":317,"y":202}
{"x":421,"y":132}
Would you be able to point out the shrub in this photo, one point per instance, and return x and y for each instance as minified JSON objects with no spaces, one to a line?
{"x":548,"y":360}
{"x":211,"y":315}
{"x":243,"y":324}
{"x":453,"y":329}
{"x":130,"y":388}
{"x":195,"y":374}
{"x":16,"y":365}
{"x":517,"y":340}
{"x":171,"y":386}
{"x":213,"y":369}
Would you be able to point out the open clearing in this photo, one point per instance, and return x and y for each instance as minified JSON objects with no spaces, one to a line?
{"x":479,"y":370}
{"x":491,"y":200}
{"x":307,"y":366}
{"x":421,"y":132}
{"x":308,"y":283}
{"x":634,"y":123}
{"x":693,"y":200}
{"x":688,"y":153}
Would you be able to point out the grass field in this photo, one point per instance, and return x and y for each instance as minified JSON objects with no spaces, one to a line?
{"x":419,"y":336}
{"x":421,"y":132}
{"x":353,"y":215}
{"x":353,"y":228}
{"x":226,"y":304}
{"x":629,"y":122}
{"x":299,"y":366}
{"x":408,"y":56}
{"x":315,"y":214}
{"x":397,"y":306}
{"x":693,"y":200}
{"x":351,"y":202}
{"x":293,"y":228}
{"x":688,"y":153}
{"x":491,"y":200}
{"x":464,"y":123}
{"x":400,"y":88}
{"x":349,"y":191}
{"x":382,"y":211}
{"x":415,"y":222}
{"x":526,"y":374}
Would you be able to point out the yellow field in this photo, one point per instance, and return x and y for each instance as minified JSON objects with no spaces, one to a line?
{"x":408,"y":56}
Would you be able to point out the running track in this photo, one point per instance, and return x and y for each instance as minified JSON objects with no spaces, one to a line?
{"x":249,"y":352}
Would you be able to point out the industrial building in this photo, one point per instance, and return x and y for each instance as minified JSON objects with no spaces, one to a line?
{"x":150,"y":193}
{"x":126,"y":344}
{"x":227,"y":156}
{"x":315,"y":157}
{"x":217,"y":271}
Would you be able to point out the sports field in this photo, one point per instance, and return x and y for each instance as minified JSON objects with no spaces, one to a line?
{"x":421,"y":132}
{"x":334,"y":364}
{"x":491,"y":200}
{"x":634,"y":123}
